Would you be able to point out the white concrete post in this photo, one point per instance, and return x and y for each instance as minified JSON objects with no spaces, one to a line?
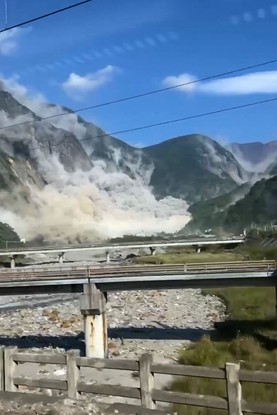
{"x":93,"y":308}
{"x":61,"y":257}
{"x":95,"y":335}
{"x":153,"y":251}
{"x":198,"y":249}
{"x":12,"y":262}
{"x":108,"y":258}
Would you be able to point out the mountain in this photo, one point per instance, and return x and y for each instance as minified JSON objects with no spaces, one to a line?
{"x":207,"y":165}
{"x":272,"y":168}
{"x":7,"y":234}
{"x":210,"y":214}
{"x":29,"y":140}
{"x":255,"y":156}
{"x":193,"y":167}
{"x":42,"y":135}
{"x":99,"y":145}
{"x":65,"y":179}
{"x":164,"y":166}
{"x":236,"y":210}
{"x":259,"y":206}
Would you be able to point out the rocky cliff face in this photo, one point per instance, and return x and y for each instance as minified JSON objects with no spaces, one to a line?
{"x":256,"y":156}
{"x":194,"y":167}
{"x":64,"y":179}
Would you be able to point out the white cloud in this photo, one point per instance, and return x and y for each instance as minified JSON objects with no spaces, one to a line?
{"x":185,"y":79}
{"x":9,"y":40}
{"x":77,"y":86}
{"x":253,"y":83}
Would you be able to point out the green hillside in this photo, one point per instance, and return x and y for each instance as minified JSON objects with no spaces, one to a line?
{"x":235,"y":210}
{"x":259,"y":206}
{"x":273,"y":169}
{"x":212,"y":213}
{"x":7,"y":234}
{"x":187,"y":163}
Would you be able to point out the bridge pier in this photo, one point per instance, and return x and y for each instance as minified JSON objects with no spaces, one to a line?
{"x":108,"y":257}
{"x":12,"y":261}
{"x":93,"y":308}
{"x":197,"y":249}
{"x":61,"y":258}
{"x":153,"y":251}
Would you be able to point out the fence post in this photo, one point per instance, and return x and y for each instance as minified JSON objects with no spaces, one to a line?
{"x":146,"y":381}
{"x":2,"y":369}
{"x":9,"y":369}
{"x":233,"y":389}
{"x":73,"y":372}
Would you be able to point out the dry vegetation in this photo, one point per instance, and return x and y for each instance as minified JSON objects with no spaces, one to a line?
{"x":188,"y":255}
{"x":248,"y":335}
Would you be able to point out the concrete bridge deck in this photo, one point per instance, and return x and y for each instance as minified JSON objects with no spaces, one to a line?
{"x":112,"y":247}
{"x":65,"y":279}
{"x":94,"y":283}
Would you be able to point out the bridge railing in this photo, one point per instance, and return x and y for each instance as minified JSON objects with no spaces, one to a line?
{"x":234,"y":265}
{"x":90,"y":271}
{"x":143,"y":372}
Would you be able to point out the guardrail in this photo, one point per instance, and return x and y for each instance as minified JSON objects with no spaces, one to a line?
{"x":145,"y":370}
{"x":90,"y":271}
{"x":230,"y":266}
{"x":117,"y":245}
{"x":108,"y":248}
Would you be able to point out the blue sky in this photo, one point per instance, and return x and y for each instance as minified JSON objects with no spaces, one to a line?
{"x":110,"y":49}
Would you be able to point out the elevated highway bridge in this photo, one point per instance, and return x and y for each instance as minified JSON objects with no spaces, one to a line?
{"x":60,"y":251}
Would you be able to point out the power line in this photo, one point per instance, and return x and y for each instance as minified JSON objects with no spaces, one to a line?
{"x":141,"y":95}
{"x":35,"y":19}
{"x":186,"y":118}
{"x":144,"y":94}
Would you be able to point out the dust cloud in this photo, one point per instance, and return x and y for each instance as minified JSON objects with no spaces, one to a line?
{"x":81,"y":206}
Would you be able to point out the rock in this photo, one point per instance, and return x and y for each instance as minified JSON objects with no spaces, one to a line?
{"x":65,"y":324}
{"x":60,"y":372}
{"x":65,"y":408}
{"x":161,"y":322}
{"x":112,"y":345}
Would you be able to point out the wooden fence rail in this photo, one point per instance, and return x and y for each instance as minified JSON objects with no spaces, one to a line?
{"x":146,"y":369}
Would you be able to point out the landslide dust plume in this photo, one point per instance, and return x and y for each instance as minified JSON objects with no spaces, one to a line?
{"x":76,"y":205}
{"x":90,"y":206}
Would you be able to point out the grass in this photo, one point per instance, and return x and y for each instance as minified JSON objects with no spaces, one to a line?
{"x":248,"y":335}
{"x":258,"y":253}
{"x":214,"y":254}
{"x":190,"y":257}
{"x":245,"y":350}
{"x":250,"y":312}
